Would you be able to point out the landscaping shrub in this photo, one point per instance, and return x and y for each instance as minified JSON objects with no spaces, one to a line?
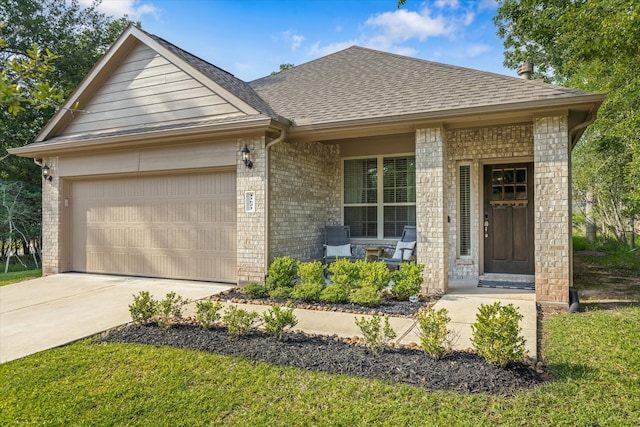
{"x":238,"y":320}
{"x":368,"y":296}
{"x":374,"y":274}
{"x":435,"y":336}
{"x":307,"y":291}
{"x":276,"y":319}
{"x":144,"y":308}
{"x":335,"y":294}
{"x":311,"y":272}
{"x":407,"y":280}
{"x":496,"y":334}
{"x":344,"y":272}
{"x":255,"y":290}
{"x":280,"y":292}
{"x":281,"y":273}
{"x":170,"y":309}
{"x":207,"y":313}
{"x":375,"y":336}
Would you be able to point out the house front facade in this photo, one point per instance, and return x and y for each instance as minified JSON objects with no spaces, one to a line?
{"x":148,"y":176}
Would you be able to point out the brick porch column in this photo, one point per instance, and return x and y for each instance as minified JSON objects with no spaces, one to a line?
{"x":431,"y":217}
{"x":251,"y":240}
{"x":51,"y":220}
{"x":552,"y":179}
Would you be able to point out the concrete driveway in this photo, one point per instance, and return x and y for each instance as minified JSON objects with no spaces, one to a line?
{"x":51,"y":311}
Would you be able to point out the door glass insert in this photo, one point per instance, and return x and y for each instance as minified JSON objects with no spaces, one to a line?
{"x":508,"y":184}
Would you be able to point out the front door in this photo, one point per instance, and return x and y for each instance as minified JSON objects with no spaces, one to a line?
{"x":508,"y":219}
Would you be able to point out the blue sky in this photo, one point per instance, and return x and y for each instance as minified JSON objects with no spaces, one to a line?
{"x":251,"y":38}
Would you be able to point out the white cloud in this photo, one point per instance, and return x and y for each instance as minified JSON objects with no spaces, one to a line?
{"x":401,"y":25}
{"x":134,"y":9}
{"x":317,"y":50}
{"x":296,"y":41}
{"x":441,"y":4}
{"x":477,"y":49}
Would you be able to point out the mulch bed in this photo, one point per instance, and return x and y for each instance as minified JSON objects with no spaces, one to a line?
{"x":457,"y":371}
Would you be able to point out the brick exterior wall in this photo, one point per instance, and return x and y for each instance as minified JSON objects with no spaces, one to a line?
{"x":251,"y":228}
{"x":431,"y":202}
{"x":472,"y":147}
{"x":304,"y":196}
{"x":553,"y":244}
{"x":51,"y":220}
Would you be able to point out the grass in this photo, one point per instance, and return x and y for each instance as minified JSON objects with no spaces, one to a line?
{"x":593,"y":356}
{"x":616,"y":255}
{"x":19,"y":276}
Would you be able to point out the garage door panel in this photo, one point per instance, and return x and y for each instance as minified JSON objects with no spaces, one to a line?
{"x":179,"y":227}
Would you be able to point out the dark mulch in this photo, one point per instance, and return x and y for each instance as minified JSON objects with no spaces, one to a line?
{"x":389,"y":306}
{"x":458,"y":371}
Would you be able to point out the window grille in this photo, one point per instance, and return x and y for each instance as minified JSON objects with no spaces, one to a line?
{"x":464,"y":226}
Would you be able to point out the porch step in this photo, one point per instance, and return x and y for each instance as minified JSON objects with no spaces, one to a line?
{"x":506,"y":284}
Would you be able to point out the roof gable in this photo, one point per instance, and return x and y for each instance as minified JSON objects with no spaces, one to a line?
{"x":144,"y":82}
{"x":359,"y":83}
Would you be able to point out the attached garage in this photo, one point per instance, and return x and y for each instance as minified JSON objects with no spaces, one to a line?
{"x":179,"y":226}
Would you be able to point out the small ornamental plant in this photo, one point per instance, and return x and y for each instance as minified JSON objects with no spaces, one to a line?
{"x":144,"y":308}
{"x":239,"y":321}
{"x":344,"y":272}
{"x":407,"y":280}
{"x":367,"y":296}
{"x":170,"y":310}
{"x":374,"y":274}
{"x":281,"y":273}
{"x":307,"y":291}
{"x":311,"y":272}
{"x":375,"y":335}
{"x":496,"y":334}
{"x":207,"y":313}
{"x":435,"y":336}
{"x":255,"y":290}
{"x":276,"y":319}
{"x":335,"y":294}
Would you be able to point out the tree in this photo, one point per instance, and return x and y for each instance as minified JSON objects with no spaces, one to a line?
{"x":18,"y":219}
{"x":591,"y":45}
{"x":283,"y":67}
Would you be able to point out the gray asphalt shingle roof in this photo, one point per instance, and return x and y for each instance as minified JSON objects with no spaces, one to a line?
{"x":359,"y":83}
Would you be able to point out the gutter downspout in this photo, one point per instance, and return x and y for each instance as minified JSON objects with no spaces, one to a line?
{"x":282,"y":137}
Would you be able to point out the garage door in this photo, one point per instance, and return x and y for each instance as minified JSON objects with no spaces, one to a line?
{"x":174,"y":226}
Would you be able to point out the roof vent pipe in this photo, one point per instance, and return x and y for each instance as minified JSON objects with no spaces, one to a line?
{"x":525,"y":70}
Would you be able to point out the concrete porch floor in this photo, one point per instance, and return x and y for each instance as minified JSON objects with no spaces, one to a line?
{"x":462,"y":301}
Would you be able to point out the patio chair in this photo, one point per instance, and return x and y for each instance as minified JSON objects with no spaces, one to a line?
{"x":337,"y":243}
{"x":405,"y":249}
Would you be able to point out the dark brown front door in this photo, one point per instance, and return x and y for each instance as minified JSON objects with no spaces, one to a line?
{"x":508,"y":219}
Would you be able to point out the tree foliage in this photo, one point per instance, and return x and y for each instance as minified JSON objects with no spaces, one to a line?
{"x":593,"y":45}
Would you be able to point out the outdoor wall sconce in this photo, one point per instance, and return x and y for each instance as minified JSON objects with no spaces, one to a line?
{"x":245,"y":157}
{"x":46,"y":173}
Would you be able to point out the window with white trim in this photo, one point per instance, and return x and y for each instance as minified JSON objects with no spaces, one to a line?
{"x":379,"y":195}
{"x":464,"y":209}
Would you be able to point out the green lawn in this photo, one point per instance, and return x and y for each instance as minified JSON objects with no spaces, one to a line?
{"x":594,"y":356}
{"x":18,"y":276}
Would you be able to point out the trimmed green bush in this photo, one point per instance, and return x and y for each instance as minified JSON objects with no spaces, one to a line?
{"x":496,"y":334}
{"x":374,"y":335}
{"x":144,"y":308}
{"x":344,"y":272}
{"x":368,"y":296}
{"x":281,"y":273}
{"x":280,"y":293}
{"x":311,"y":272}
{"x":255,"y":290}
{"x":374,"y":274}
{"x":276,"y":319}
{"x":307,"y":291}
{"x":170,"y":309}
{"x":435,"y":336}
{"x":238,"y":320}
{"x":407,"y":280}
{"x":335,"y":294}
{"x":207,"y":313}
